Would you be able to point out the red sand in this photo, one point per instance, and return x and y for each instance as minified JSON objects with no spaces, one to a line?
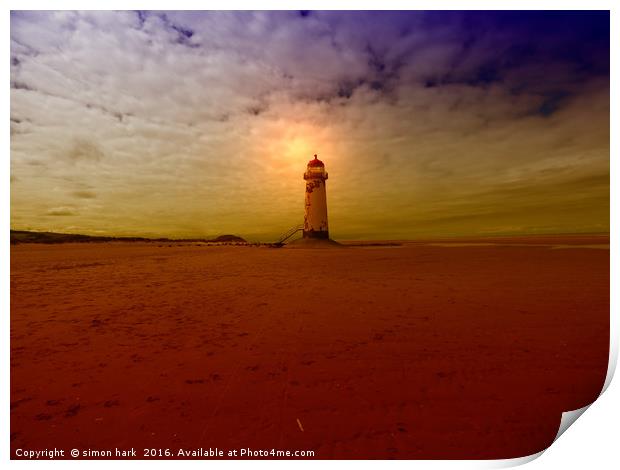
{"x":415,"y":351}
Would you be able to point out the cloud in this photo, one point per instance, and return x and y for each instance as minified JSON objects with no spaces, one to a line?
{"x":84,"y":194}
{"x":197,"y":123}
{"x":84,"y":149}
{"x":61,"y":211}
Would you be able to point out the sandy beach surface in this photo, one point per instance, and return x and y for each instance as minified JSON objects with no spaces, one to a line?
{"x":439,"y":349}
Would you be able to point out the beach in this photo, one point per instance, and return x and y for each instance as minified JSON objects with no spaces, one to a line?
{"x":432,"y":349}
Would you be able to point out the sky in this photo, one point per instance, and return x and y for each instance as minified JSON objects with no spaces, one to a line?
{"x":200,"y":123}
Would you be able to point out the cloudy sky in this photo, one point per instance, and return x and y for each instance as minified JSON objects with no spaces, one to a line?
{"x":192,"y":124}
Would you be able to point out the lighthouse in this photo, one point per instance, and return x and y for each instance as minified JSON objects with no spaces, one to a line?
{"x":315,"y":217}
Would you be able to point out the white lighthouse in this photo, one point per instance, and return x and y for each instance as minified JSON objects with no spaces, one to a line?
{"x":315,"y":218}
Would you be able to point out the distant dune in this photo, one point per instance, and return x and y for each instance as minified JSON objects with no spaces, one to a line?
{"x":228,"y":238}
{"x":24,"y":236}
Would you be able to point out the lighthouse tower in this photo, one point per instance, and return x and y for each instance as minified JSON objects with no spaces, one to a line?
{"x":315,"y":218}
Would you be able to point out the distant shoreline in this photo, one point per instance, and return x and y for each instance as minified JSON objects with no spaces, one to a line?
{"x":25,"y":236}
{"x":31,"y":237}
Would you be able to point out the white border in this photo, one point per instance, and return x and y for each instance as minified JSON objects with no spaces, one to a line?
{"x":593,"y":442}
{"x":307,"y":5}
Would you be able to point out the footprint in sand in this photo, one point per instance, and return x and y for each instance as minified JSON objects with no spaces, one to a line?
{"x":16,"y":403}
{"x":72,"y":411}
{"x":194,"y":381}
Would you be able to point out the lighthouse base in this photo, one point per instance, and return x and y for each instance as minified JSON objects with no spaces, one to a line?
{"x":313,"y":243}
{"x":321,"y":235}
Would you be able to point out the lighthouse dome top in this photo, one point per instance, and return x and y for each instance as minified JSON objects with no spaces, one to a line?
{"x":315,"y":162}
